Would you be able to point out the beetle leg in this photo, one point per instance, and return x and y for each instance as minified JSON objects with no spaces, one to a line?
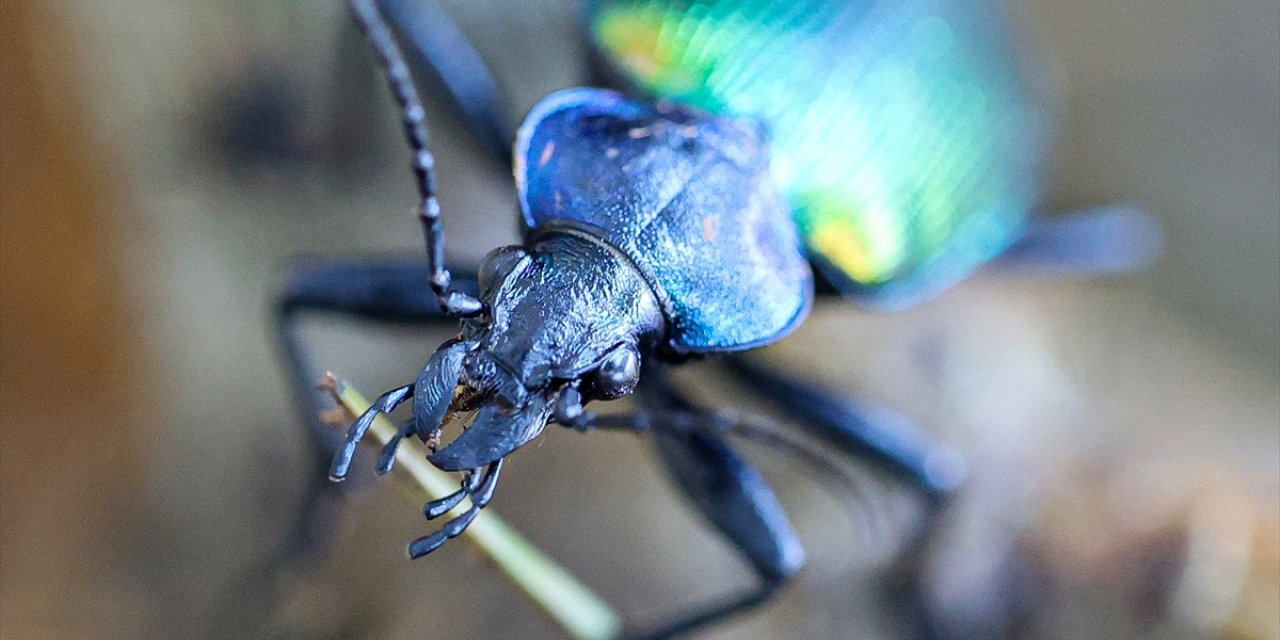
{"x":728,"y":491}
{"x":1114,"y":239}
{"x":376,"y":290}
{"x":859,"y":429}
{"x":730,"y":494}
{"x":379,"y":290}
{"x":568,"y":410}
{"x":691,"y":443}
{"x":453,"y":301}
{"x":479,"y":499}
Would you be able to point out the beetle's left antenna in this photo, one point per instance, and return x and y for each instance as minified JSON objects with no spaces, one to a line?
{"x":414,"y":116}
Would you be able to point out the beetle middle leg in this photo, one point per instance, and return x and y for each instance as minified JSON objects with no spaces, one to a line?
{"x":859,"y":429}
{"x":730,"y":493}
{"x":1110,"y":240}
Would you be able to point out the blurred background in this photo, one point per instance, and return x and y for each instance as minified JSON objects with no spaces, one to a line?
{"x":163,"y":162}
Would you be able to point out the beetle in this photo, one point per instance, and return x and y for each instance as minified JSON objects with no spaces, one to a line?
{"x":658,"y":229}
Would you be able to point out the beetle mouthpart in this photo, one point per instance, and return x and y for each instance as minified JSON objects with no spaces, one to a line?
{"x":435,"y":393}
{"x":493,"y":435}
{"x":465,"y":398}
{"x":487,"y":374}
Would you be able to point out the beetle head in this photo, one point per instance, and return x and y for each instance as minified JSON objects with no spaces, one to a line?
{"x":565,"y":323}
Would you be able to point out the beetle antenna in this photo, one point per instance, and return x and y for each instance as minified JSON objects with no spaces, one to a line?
{"x":414,"y":118}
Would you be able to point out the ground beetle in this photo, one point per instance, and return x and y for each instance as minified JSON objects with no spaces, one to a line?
{"x":653,"y":232}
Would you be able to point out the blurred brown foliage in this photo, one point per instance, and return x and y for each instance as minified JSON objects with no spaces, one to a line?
{"x":67,"y":360}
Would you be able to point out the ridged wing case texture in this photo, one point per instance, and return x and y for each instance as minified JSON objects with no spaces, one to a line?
{"x":906,"y":134}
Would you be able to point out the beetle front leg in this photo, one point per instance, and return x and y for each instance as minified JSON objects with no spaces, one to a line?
{"x":568,"y":410}
{"x":378,"y":290}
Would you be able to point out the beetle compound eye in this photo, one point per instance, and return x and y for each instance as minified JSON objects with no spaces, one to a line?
{"x":618,"y":373}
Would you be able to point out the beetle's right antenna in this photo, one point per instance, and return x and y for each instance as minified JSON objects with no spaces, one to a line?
{"x":414,"y":116}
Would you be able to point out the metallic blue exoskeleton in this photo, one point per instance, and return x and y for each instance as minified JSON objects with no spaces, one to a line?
{"x":653,"y":232}
{"x":685,"y":196}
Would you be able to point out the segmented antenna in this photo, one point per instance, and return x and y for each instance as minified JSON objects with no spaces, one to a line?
{"x":414,"y":118}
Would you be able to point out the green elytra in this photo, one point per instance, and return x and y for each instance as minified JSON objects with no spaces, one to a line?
{"x":906,"y":135}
